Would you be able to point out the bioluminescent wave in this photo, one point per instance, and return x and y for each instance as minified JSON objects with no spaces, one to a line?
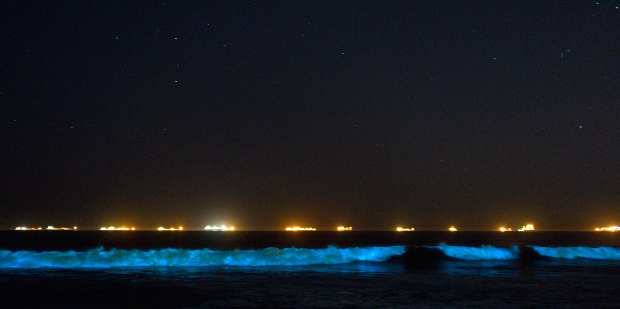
{"x":593,"y":253}
{"x":101,"y":258}
{"x":110,"y":258}
{"x":479,"y":253}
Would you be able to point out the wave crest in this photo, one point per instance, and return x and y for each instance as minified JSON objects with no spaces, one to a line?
{"x":593,"y":253}
{"x":101,"y":258}
{"x":481,"y":253}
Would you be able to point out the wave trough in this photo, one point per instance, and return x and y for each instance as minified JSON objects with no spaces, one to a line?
{"x":482,"y":253}
{"x":101,"y":258}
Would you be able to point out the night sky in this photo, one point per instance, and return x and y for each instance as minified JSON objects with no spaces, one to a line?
{"x":263,"y":114}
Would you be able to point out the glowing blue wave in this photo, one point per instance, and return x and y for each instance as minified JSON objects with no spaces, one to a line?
{"x":482,"y":253}
{"x":100,"y":258}
{"x":593,"y":253}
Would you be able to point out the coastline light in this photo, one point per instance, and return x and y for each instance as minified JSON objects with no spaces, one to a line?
{"x":527,"y":228}
{"x":299,"y":229}
{"x":504,"y":229}
{"x":53,"y":228}
{"x":344,"y":228}
{"x":611,"y":228}
{"x":405,"y":229}
{"x":119,"y":228}
{"x":453,"y":229}
{"x":220,"y":228}
{"x":172,"y":229}
{"x":25,"y":228}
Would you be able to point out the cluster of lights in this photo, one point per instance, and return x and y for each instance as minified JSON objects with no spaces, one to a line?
{"x":299,"y":229}
{"x":53,"y":228}
{"x":25,"y":228}
{"x":48,"y":228}
{"x":504,"y":229}
{"x":405,"y":229}
{"x":611,"y":228}
{"x":119,"y":228}
{"x":527,"y":228}
{"x":221,"y":228}
{"x":172,"y":229}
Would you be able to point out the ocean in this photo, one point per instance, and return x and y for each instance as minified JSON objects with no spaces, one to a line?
{"x":93,"y":269}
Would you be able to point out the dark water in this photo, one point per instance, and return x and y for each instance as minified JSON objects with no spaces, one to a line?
{"x":315,"y":269}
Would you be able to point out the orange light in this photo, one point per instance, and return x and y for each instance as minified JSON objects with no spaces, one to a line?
{"x":405,"y":229}
{"x":47,"y":228}
{"x":53,"y":228}
{"x":611,"y":228}
{"x":299,"y":229}
{"x":504,"y":229}
{"x":114,"y":228}
{"x":171,"y":229}
{"x":453,"y":229}
{"x":25,"y":228}
{"x":344,"y":228}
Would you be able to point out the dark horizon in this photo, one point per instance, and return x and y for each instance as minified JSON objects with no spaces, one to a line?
{"x":269,"y":114}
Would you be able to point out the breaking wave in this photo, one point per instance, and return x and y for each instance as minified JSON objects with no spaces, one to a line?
{"x":110,"y":258}
{"x":593,"y":253}
{"x":481,"y":253}
{"x":102,"y":258}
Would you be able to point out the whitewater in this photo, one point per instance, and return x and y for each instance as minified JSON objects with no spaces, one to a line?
{"x":102,"y":258}
{"x":174,"y":257}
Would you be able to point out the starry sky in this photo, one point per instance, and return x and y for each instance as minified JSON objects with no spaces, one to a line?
{"x":267,"y":113}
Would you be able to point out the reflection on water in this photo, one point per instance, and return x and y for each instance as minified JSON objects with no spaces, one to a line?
{"x":479,"y":268}
{"x":446,"y":267}
{"x":447,"y":283}
{"x":190,"y":273}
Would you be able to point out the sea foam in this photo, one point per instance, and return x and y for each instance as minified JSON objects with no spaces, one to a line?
{"x":481,"y":253}
{"x":593,"y":253}
{"x":102,"y":258}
